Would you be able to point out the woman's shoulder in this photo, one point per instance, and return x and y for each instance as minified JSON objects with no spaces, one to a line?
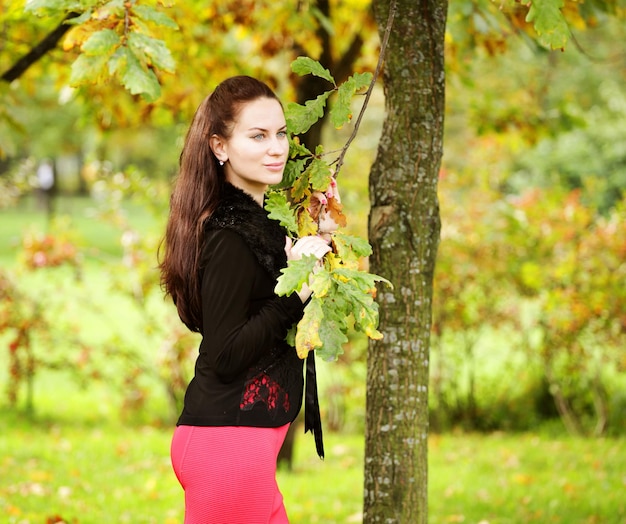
{"x":224,"y":239}
{"x":241,"y":222}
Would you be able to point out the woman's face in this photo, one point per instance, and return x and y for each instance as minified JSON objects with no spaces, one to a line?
{"x":255,"y":154}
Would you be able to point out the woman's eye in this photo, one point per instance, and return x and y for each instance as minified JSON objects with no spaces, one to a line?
{"x":282,"y":134}
{"x":260,"y":136}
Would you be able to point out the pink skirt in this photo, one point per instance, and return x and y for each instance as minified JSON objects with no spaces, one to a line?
{"x":229,"y":474}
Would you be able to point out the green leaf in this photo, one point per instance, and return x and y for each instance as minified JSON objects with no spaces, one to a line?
{"x":356,"y":297}
{"x":114,"y":9}
{"x":332,"y":332}
{"x":155,"y":51}
{"x":361,"y":80}
{"x":363,"y":309}
{"x":301,"y":185}
{"x":296,"y":149}
{"x":291,"y":336}
{"x":341,"y":112}
{"x":117,"y":60}
{"x":322,"y":283}
{"x":361,"y":279}
{"x":347,"y":246}
{"x":279,"y":209}
{"x":294,"y":275}
{"x":319,"y":175}
{"x":42,"y":6}
{"x":113,"y":6}
{"x":549,"y":22}
{"x":299,"y":156}
{"x":293,"y":170}
{"x":150,"y":14}
{"x":367,"y":321}
{"x":80,"y":19}
{"x":355,"y":286}
{"x":102,"y":42}
{"x":137,"y":79}
{"x":303,"y":65}
{"x":300,"y":118}
{"x":87,"y":69}
{"x":34,"y":5}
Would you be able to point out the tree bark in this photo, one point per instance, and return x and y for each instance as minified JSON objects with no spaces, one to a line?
{"x":404,"y":226}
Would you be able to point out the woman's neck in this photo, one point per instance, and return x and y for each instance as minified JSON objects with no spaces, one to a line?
{"x":257,"y":192}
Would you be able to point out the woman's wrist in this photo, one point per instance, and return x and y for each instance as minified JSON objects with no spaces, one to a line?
{"x":304,"y":293}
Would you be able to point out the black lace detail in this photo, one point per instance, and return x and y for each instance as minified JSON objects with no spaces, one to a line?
{"x":263,"y":388}
{"x":239,"y":212}
{"x":269,"y":381}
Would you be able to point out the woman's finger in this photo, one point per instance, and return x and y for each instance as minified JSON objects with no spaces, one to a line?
{"x":310,"y":245}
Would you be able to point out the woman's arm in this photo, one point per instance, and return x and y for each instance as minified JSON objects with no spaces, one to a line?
{"x":232,"y":339}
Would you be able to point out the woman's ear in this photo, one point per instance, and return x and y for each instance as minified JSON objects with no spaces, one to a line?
{"x":218,"y":147}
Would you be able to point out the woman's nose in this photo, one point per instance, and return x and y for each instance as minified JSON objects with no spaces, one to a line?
{"x":278,"y":146}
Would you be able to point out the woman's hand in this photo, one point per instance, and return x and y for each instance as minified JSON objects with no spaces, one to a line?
{"x":306,"y":246}
{"x":319,"y":209}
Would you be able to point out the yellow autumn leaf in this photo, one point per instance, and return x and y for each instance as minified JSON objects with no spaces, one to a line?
{"x":77,"y":36}
{"x":306,"y":224}
{"x":307,"y":336}
{"x":373,"y":333}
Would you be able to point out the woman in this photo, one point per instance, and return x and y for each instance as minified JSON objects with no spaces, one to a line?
{"x":221,"y":260}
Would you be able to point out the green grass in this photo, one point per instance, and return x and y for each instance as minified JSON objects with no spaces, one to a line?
{"x":85,"y":467}
{"x":527,"y":478}
{"x":78,"y":461}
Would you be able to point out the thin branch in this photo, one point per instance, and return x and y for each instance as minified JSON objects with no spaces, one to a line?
{"x":381,"y":58}
{"x":47,"y":44}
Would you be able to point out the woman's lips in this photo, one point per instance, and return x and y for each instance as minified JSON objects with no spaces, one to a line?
{"x":276,"y":166}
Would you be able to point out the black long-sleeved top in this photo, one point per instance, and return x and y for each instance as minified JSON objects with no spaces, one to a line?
{"x":245,"y":373}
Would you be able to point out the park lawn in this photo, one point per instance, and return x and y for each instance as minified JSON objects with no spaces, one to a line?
{"x":91,"y":469}
{"x":97,"y":237}
{"x":526,"y":478}
{"x":78,"y":462}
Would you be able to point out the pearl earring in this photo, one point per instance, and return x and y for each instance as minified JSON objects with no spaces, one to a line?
{"x":221,"y":162}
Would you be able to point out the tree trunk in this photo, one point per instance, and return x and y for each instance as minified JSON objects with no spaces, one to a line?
{"x":404,"y":229}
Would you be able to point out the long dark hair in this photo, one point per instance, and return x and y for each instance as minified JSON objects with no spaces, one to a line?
{"x":197,"y":191}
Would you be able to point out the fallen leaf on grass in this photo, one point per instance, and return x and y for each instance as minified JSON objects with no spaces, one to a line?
{"x":13,"y":511}
{"x":64,"y":492}
{"x":39,"y":475}
{"x":569,"y":488}
{"x":57,"y":519}
{"x":523,"y":479}
{"x":31,"y":488}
